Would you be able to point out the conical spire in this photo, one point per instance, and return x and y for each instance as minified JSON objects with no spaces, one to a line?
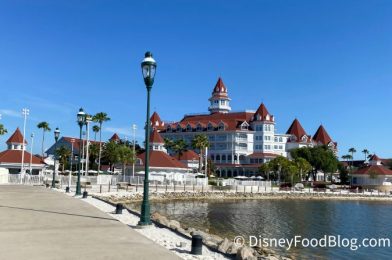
{"x":262,"y":114}
{"x":16,"y":138}
{"x":156,"y":138}
{"x":321,"y":136}
{"x":220,"y":87}
{"x":296,"y":129}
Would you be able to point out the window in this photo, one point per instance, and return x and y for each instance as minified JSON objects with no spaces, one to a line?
{"x":210,"y":127}
{"x":211,"y":138}
{"x":267,"y":147}
{"x":199,"y":127}
{"x":229,"y":157}
{"x":276,"y":139}
{"x":281,"y":147}
{"x":267,"y":138}
{"x":189,"y":128}
{"x":179,"y":129}
{"x":276,"y":147}
{"x":212,"y":157}
{"x":221,"y":138}
{"x":280,"y":139}
{"x":217,"y":157}
{"x":259,"y":128}
{"x":224,"y":158}
{"x":221,"y":126}
{"x":259,"y":138}
{"x":169,"y":129}
{"x":258,"y":147}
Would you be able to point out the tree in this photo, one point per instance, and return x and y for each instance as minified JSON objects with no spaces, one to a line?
{"x":278,"y":165}
{"x":93,"y":153}
{"x":200,"y":142}
{"x":365,"y":152}
{"x":179,"y":147}
{"x":321,"y":158}
{"x":265,"y":169}
{"x":110,"y":154}
{"x":45,"y":128}
{"x":211,"y":168}
{"x":100,"y":118}
{"x":63,"y":154}
{"x":3,"y":130}
{"x":96,"y":129}
{"x":352,"y":151}
{"x":291,"y":171}
{"x":343,"y":173}
{"x":303,"y":166}
{"x":125,"y":156}
{"x":168,"y":144}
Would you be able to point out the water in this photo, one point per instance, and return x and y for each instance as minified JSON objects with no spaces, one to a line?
{"x":290,"y":218}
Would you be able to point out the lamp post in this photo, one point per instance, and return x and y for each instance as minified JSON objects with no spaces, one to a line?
{"x":31,"y":154}
{"x":87,"y":121}
{"x":134,"y":155}
{"x":80,"y":118}
{"x":148,"y":69}
{"x":72,"y":157}
{"x":56,"y":138}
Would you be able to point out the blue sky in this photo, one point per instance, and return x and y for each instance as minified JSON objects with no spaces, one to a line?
{"x":321,"y":61}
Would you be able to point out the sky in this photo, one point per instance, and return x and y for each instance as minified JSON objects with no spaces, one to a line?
{"x":324,"y":62}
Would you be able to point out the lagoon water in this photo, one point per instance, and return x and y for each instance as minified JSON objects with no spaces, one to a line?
{"x":289,"y":218}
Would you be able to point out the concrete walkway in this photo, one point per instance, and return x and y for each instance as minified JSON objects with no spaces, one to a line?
{"x":37,"y":223}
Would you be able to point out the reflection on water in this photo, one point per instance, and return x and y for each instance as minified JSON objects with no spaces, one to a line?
{"x":287,"y":219}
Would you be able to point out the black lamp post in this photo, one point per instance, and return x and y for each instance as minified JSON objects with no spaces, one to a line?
{"x":148,"y":68}
{"x":81,"y":116}
{"x":56,"y":138}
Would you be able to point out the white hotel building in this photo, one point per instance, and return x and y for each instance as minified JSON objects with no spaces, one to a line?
{"x":239,"y":141}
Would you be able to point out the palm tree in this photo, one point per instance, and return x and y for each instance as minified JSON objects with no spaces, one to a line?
{"x":125,"y":156}
{"x":365,"y":152}
{"x":100,"y":118}
{"x":352,"y":151}
{"x":63,"y":153}
{"x":179,"y":147}
{"x":96,"y":130}
{"x":200,"y":142}
{"x":303,"y":166}
{"x":45,"y":128}
{"x":3,"y":131}
{"x":111,"y":154}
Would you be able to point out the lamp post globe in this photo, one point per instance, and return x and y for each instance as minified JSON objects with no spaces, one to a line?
{"x":56,"y":138}
{"x":81,"y":117}
{"x":148,"y":70}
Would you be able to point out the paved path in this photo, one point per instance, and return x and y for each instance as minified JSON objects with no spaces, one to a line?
{"x":37,"y":223}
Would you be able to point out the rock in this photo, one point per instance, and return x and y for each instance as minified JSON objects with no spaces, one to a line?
{"x":233,"y":249}
{"x":245,"y":253}
{"x":160,"y":219}
{"x":174,"y":224}
{"x":224,"y":245}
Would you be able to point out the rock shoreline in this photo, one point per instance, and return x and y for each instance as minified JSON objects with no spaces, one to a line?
{"x":128,"y":197}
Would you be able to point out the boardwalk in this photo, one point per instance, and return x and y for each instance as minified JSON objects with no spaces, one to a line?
{"x":37,"y":223}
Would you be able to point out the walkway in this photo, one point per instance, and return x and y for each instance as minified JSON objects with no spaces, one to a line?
{"x":37,"y":223}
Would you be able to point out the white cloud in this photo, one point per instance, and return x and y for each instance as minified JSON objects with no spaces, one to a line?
{"x":10,"y":113}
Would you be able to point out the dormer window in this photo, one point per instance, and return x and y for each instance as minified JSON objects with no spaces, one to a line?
{"x":199,"y":128}
{"x":189,"y":128}
{"x":304,"y":138}
{"x":293,"y":138}
{"x":179,"y":128}
{"x":267,"y":117}
{"x":210,"y":127}
{"x":244,"y":126}
{"x":169,"y":129}
{"x":221,"y":126}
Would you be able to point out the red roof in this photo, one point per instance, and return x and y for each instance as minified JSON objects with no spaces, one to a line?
{"x":376,"y":169}
{"x":156,"y":121}
{"x":155,"y":137}
{"x":375,"y":158}
{"x":15,"y":156}
{"x":262,"y":155}
{"x":262,"y":113}
{"x":297,"y":130}
{"x":77,"y":141}
{"x":16,"y":137}
{"x":115,"y":138}
{"x":220,"y":88}
{"x":321,"y":136}
{"x":230,"y":120}
{"x":189,"y":155}
{"x":161,"y":159}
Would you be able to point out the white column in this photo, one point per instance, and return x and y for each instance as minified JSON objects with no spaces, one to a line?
{"x":25,"y":113}
{"x":31,"y":153}
{"x":205,"y":162}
